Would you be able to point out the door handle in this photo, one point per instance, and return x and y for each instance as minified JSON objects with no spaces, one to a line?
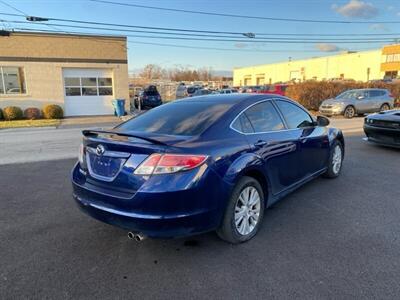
{"x":260,"y":143}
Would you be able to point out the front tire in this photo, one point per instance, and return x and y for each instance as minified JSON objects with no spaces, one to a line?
{"x":349,"y":112}
{"x":335,"y":161}
{"x":244,"y":212}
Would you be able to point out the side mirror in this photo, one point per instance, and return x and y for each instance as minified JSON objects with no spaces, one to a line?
{"x":322,"y":121}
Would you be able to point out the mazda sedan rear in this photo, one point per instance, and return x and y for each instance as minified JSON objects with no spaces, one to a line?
{"x":202,"y":164}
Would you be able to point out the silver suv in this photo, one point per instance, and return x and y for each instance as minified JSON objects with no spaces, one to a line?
{"x":361,"y":101}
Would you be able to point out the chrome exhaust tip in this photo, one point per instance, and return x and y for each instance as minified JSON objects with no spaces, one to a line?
{"x":139,"y":237}
{"x":136,"y":236}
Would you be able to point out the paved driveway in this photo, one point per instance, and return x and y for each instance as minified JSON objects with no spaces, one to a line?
{"x":332,"y":239}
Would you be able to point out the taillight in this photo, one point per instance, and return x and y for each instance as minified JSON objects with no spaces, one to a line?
{"x":81,"y":155}
{"x":169,"y":163}
{"x":391,"y":95}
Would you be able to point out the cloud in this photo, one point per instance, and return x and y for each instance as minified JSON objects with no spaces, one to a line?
{"x":240,"y":45}
{"x":327,"y":47}
{"x":378,"y":27}
{"x":357,"y":9}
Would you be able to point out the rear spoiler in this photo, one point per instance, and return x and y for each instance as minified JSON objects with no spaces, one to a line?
{"x":88,"y":133}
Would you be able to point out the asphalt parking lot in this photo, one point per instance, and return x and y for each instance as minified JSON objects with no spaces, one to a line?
{"x":330,"y":239}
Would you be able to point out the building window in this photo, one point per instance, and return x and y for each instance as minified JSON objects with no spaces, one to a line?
{"x":393,"y":57}
{"x":12,"y":80}
{"x":88,"y":86}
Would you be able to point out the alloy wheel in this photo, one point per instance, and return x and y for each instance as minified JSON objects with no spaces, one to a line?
{"x":349,"y":112}
{"x":385,"y":107}
{"x":247,"y":210}
{"x":337,"y":159}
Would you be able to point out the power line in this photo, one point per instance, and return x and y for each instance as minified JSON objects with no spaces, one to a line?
{"x":232,"y":40}
{"x":242,"y":16}
{"x":383,"y":39}
{"x":22,"y":12}
{"x":183,"y":29}
{"x":196,"y":47}
{"x":231,"y":49}
{"x":128,"y":26}
{"x":14,"y":8}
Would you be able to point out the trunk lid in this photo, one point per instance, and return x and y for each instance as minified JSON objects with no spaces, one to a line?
{"x":112,"y":156}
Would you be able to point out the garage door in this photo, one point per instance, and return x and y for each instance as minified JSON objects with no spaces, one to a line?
{"x":88,"y":92}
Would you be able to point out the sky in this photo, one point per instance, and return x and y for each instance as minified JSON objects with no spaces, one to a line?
{"x":242,"y":53}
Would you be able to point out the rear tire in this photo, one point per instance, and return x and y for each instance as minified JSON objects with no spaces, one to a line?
{"x":335,"y":161}
{"x":244,"y":212}
{"x":349,"y":112}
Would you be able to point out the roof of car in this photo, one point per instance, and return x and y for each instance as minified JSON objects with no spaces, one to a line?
{"x":229,"y":98}
{"x":368,"y":89}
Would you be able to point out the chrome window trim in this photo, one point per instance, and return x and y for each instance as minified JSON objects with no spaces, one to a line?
{"x":278,"y":112}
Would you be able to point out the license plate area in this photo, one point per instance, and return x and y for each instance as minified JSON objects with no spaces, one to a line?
{"x":104,"y":167}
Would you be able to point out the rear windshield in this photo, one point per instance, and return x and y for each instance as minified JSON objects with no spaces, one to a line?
{"x":151,"y":91}
{"x":178,"y":118}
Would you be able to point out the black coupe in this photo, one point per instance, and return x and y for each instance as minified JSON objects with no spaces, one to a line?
{"x":383,"y":128}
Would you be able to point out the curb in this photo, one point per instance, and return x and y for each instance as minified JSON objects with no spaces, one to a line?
{"x":27,"y":129}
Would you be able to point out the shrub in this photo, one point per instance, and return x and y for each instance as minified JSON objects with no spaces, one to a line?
{"x":1,"y":114}
{"x":12,"y":113}
{"x":310,"y":94}
{"x":32,"y":113}
{"x":53,"y":111}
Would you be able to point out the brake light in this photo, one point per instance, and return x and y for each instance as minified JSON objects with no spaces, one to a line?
{"x":81,"y":153}
{"x":169,"y":163}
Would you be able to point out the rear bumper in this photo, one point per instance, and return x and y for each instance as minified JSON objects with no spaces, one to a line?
{"x":383,"y":136}
{"x":157,"y":214}
{"x":150,"y":225}
{"x":151,"y":104}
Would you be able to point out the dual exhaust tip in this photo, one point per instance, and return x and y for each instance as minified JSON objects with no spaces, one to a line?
{"x":138,"y":237}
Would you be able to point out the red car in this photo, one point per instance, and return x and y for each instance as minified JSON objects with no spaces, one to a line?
{"x":278,"y":89}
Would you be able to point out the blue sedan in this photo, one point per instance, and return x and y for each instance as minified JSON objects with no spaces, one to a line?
{"x":202,"y":164}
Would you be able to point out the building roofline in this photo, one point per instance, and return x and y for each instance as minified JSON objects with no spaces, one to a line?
{"x":309,"y":58}
{"x":61,"y":34}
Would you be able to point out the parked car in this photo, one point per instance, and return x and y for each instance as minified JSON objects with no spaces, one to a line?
{"x":197,"y":165}
{"x":191,"y":90}
{"x":201,"y":92}
{"x":253,"y":89}
{"x":243,"y":89}
{"x":226,"y":91}
{"x":181,"y":91}
{"x":277,"y":89}
{"x":383,"y":128}
{"x":149,"y":97}
{"x":358,"y":102}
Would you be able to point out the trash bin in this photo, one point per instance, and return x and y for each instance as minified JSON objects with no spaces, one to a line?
{"x":119,"y":107}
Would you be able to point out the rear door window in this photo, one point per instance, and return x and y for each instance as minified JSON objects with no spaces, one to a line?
{"x":264,"y":117}
{"x":295,"y":116}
